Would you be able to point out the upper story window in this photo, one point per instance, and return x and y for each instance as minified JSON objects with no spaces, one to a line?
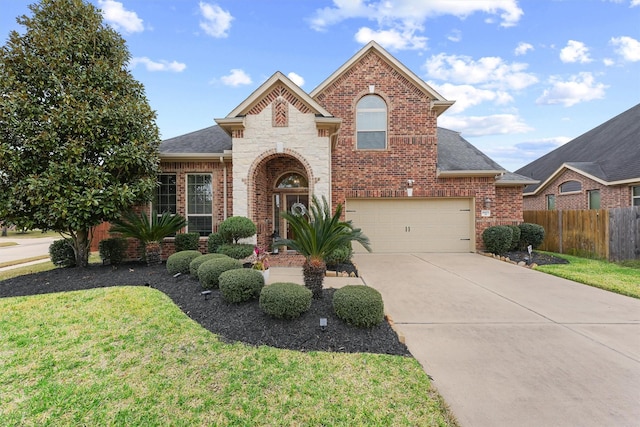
{"x":371,"y":123}
{"x":570,"y":186}
{"x":635,"y":195}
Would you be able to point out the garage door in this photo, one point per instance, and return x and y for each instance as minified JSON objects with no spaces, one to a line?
{"x":414,"y":225}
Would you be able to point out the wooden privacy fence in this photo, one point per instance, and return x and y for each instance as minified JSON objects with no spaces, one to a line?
{"x":612,"y":234}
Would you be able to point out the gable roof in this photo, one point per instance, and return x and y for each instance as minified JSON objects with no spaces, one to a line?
{"x":209,"y":142}
{"x":439,"y":103}
{"x":609,"y":154}
{"x":456,"y":155}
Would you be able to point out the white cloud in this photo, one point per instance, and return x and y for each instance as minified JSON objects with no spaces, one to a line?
{"x":523,"y":48}
{"x":237,"y":78}
{"x":635,"y":3}
{"x":120,"y":18}
{"x":467,"y":96}
{"x":575,"y":51}
{"x":391,"y":39}
{"x":608,"y":62}
{"x":490,"y":71}
{"x":455,"y":36}
{"x":497,"y":124}
{"x":517,"y":155}
{"x":399,"y":21}
{"x":581,"y":87}
{"x":173,"y":66}
{"x":627,"y":47}
{"x":217,"y":22}
{"x":296,"y":78}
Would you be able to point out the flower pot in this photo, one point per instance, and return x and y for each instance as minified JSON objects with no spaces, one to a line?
{"x":265,"y":274}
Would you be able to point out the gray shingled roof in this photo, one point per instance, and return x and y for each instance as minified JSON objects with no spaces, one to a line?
{"x":211,"y":140}
{"x":457,"y":154}
{"x":610,"y":152}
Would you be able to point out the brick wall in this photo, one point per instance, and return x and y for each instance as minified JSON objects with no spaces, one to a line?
{"x":617,"y":196}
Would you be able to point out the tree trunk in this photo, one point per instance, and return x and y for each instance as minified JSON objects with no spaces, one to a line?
{"x":81,"y":247}
{"x":313,"y":272}
{"x":4,"y":231}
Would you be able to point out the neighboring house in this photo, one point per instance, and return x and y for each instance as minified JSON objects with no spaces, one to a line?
{"x":366,"y":137}
{"x":597,"y":170}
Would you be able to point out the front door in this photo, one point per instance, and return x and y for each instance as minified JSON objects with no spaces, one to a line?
{"x":296,"y":204}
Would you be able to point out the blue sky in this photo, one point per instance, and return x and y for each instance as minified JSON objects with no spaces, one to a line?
{"x":526,"y":75}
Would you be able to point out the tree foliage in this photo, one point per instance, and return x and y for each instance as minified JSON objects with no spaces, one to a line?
{"x":78,"y":139}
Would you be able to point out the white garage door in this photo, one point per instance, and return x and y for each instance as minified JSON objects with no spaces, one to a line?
{"x":414,"y":225}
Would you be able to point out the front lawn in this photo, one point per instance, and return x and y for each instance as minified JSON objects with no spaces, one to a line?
{"x":600,"y":274}
{"x":129,"y":356}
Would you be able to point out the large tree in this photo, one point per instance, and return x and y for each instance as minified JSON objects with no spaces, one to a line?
{"x":78,"y":139}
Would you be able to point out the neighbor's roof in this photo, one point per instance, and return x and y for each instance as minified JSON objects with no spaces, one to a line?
{"x":609,"y":153}
{"x":211,"y":141}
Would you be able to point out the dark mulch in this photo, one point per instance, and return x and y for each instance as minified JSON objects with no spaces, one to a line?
{"x":232,"y":322}
{"x":536,"y":257}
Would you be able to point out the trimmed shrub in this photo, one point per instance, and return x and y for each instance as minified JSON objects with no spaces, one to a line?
{"x":113,"y":249}
{"x":235,"y":228}
{"x":241,"y":284}
{"x":497,"y":239}
{"x":285,"y":300}
{"x":359,"y":305}
{"x":531,"y":234}
{"x":515,"y":237}
{"x":187,"y":242}
{"x":209,"y":272}
{"x":179,"y":262}
{"x":341,"y":255}
{"x":197,"y":262}
{"x":236,"y":251}
{"x":62,"y":254}
{"x":213,"y":242}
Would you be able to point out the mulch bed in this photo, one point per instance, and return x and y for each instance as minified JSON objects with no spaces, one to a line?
{"x":231,"y":322}
{"x":536,"y":257}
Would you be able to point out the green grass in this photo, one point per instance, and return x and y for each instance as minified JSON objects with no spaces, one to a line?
{"x":5,"y":244}
{"x":22,"y":261}
{"x":621,"y":278}
{"x":30,"y":234}
{"x":128,"y":356}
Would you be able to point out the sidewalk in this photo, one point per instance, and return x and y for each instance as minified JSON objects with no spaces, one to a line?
{"x":294,"y":274}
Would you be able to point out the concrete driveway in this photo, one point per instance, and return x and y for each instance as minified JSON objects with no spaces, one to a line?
{"x":508,"y":346}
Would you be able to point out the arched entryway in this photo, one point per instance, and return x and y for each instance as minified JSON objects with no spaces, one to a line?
{"x":280,"y":182}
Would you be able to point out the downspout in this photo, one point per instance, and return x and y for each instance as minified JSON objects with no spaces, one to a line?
{"x":224,"y":188}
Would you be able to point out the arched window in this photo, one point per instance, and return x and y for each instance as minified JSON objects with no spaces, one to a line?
{"x":570,"y":186}
{"x":292,"y":180}
{"x":371,"y":123}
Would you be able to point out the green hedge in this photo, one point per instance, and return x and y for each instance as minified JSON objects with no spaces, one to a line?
{"x":341,"y":255}
{"x":187,"y":242}
{"x":209,"y":272}
{"x":213,"y":242}
{"x":113,"y":249}
{"x":236,"y":251}
{"x":497,"y":239}
{"x":179,"y":262}
{"x":235,"y":228}
{"x":531,"y":234}
{"x":515,"y":237}
{"x":359,"y":305}
{"x":241,"y":284}
{"x":285,"y":300}
{"x":197,"y":262}
{"x":62,"y":254}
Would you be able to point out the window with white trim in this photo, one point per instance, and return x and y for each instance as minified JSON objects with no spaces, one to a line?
{"x":635,"y":195}
{"x":594,"y":199}
{"x":166,"y":194}
{"x":551,"y":202}
{"x":199,"y":204}
{"x":371,"y":123}
{"x":570,"y":187}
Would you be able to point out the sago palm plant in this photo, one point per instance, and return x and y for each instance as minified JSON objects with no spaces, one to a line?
{"x":149,"y":232}
{"x":316,"y":235}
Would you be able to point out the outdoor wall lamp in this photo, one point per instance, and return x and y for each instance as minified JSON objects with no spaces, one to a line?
{"x":410,"y":183}
{"x":487,"y":203}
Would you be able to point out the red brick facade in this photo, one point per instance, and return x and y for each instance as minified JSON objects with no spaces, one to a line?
{"x":614,"y":196}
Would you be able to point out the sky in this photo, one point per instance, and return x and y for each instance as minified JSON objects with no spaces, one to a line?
{"x":526,"y":75}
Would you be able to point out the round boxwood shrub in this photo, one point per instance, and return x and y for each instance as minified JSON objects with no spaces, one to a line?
{"x":497,"y":239}
{"x":62,"y":254}
{"x":236,"y":251}
{"x":113,"y":249}
{"x":515,"y":237}
{"x":197,"y":262}
{"x":359,"y":305}
{"x":340,"y":255}
{"x":209,"y":272}
{"x":241,"y":285}
{"x":187,"y":242}
{"x":235,"y":228}
{"x":179,"y":262}
{"x":213,"y":242}
{"x":531,"y":234}
{"x":285,"y":300}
